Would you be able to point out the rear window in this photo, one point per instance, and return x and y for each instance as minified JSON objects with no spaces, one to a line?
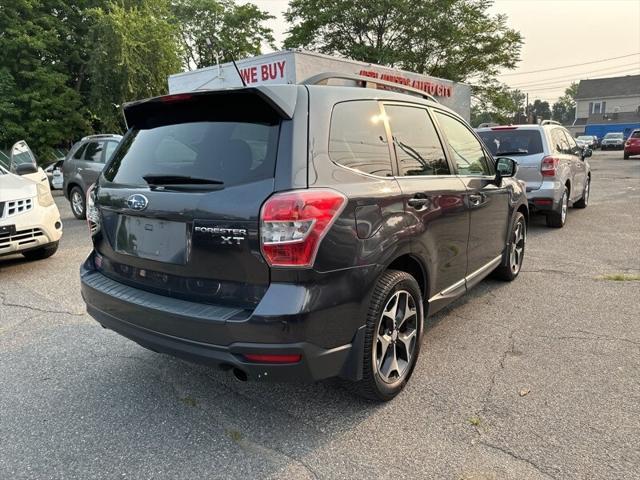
{"x":635,"y":134}
{"x":232,"y":152}
{"x":513,"y":142}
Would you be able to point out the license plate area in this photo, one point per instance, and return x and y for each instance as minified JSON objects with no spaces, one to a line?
{"x":153,"y":239}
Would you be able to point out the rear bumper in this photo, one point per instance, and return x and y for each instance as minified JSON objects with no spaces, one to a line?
{"x":219,"y":336}
{"x":547,"y":197}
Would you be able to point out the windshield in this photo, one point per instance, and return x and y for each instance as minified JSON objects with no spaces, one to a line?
{"x":613,"y":135}
{"x":232,"y":153}
{"x":586,"y":139}
{"x":513,"y":142}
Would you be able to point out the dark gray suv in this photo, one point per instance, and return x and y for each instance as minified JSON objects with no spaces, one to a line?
{"x":297,"y":231}
{"x":82,"y":166}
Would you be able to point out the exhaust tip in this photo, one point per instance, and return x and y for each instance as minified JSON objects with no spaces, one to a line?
{"x":240,"y":375}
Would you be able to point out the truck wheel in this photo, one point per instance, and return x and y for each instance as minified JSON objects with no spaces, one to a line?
{"x":510,"y":267}
{"x":557,"y":218}
{"x":42,"y":252}
{"x":392,"y":336}
{"x":584,"y":201}
{"x":77,"y":200}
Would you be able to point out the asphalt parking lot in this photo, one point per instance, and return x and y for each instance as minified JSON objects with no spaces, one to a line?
{"x":539,"y":378}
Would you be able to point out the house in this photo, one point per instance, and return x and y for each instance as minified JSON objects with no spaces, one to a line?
{"x":608,"y":105}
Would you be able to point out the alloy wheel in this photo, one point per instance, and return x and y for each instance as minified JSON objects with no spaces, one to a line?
{"x":76,"y":202}
{"x":517,"y":247}
{"x":397,"y":337}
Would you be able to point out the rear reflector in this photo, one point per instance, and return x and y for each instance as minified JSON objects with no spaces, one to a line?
{"x":292,"y":225}
{"x":542,"y":201}
{"x":270,"y":358}
{"x":549,"y":166}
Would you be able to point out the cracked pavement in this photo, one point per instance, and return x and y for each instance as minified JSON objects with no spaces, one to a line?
{"x":81,"y":402}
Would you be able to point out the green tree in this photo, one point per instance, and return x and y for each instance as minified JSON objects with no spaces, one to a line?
{"x":136,"y":48}
{"x":540,"y":110}
{"x":210,"y":28}
{"x":564,"y":109}
{"x":454,"y":39}
{"x":497,"y":103}
{"x":37,"y":103}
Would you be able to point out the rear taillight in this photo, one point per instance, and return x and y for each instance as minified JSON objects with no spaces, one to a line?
{"x":549,"y":166}
{"x":92,"y":213}
{"x":292,"y":225}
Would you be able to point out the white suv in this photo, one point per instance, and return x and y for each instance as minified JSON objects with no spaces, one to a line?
{"x":29,"y":218}
{"x":550,"y":162}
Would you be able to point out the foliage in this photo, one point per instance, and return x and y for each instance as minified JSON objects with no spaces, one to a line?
{"x":37,"y":101}
{"x":496,"y":103}
{"x":454,"y":39}
{"x":564,"y":109}
{"x":135,"y":50}
{"x":539,"y":110}
{"x":220,"y":27}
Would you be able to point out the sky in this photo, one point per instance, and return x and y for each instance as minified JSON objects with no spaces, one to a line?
{"x":556,"y":33}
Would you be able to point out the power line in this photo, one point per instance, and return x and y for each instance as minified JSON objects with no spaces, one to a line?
{"x":569,"y":66}
{"x":560,"y":83}
{"x":554,"y":79}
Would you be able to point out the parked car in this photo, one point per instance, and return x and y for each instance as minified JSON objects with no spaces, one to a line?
{"x":632,"y":145}
{"x":297,"y":231}
{"x":54,"y":174}
{"x":590,"y":141}
{"x":583,"y":143}
{"x":550,"y":162}
{"x":612,"y":141}
{"x":29,"y":218}
{"x":82,"y":166}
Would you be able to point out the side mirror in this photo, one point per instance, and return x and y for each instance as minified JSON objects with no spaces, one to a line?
{"x":505,"y":167}
{"x":21,"y":154}
{"x":25,"y":169}
{"x":586,"y":153}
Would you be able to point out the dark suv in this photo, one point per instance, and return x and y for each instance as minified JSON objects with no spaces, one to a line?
{"x":296,"y":231}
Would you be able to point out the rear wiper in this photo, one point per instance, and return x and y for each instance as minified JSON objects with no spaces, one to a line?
{"x":157,"y":180}
{"x":514,"y":152}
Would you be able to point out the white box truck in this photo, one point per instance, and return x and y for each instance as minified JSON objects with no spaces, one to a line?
{"x":295,"y":66}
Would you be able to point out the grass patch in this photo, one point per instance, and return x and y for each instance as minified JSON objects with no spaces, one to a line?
{"x":475,"y":421}
{"x":621,"y":277}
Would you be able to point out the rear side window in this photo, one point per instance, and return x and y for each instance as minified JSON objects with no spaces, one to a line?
{"x":513,"y":142}
{"x":559,"y":141}
{"x":232,"y":152}
{"x":358,"y":138}
{"x":109,"y":149}
{"x":416,"y":142}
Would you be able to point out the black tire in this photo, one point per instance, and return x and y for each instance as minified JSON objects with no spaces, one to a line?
{"x":509,"y":270}
{"x":373,"y":386}
{"x":78,"y":204}
{"x":626,"y":156}
{"x":42,"y":252}
{"x":584,"y":201}
{"x":556,"y":218}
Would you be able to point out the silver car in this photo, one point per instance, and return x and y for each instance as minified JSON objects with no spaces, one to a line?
{"x":82,"y":166}
{"x":550,"y":162}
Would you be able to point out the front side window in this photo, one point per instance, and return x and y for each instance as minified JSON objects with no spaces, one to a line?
{"x":466,"y":149}
{"x":78,"y":153}
{"x":416,"y":142}
{"x":358,"y":138}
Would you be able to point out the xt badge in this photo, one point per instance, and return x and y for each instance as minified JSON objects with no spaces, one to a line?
{"x":228,"y":236}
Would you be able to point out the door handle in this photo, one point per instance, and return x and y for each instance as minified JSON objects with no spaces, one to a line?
{"x":476,"y":199}
{"x":418,"y":202}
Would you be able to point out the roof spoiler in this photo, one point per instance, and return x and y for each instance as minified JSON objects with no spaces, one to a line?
{"x":279,"y":99}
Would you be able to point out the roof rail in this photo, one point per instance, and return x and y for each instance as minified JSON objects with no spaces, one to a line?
{"x":321,"y":77}
{"x":549,"y":122}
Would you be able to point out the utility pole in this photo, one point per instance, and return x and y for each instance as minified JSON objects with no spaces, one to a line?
{"x":526,"y":109}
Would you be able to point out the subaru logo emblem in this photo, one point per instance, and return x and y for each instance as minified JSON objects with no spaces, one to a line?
{"x":137,"y":202}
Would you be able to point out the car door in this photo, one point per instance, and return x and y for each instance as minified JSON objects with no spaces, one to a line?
{"x":488,"y":203}
{"x":92,"y":163}
{"x":433,"y":198}
{"x":578,"y":168}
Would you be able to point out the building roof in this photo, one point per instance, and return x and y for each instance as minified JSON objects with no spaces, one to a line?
{"x":609,"y":87}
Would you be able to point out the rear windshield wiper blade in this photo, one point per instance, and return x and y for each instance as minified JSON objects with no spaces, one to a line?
{"x":513,"y":152}
{"x":157,"y":180}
